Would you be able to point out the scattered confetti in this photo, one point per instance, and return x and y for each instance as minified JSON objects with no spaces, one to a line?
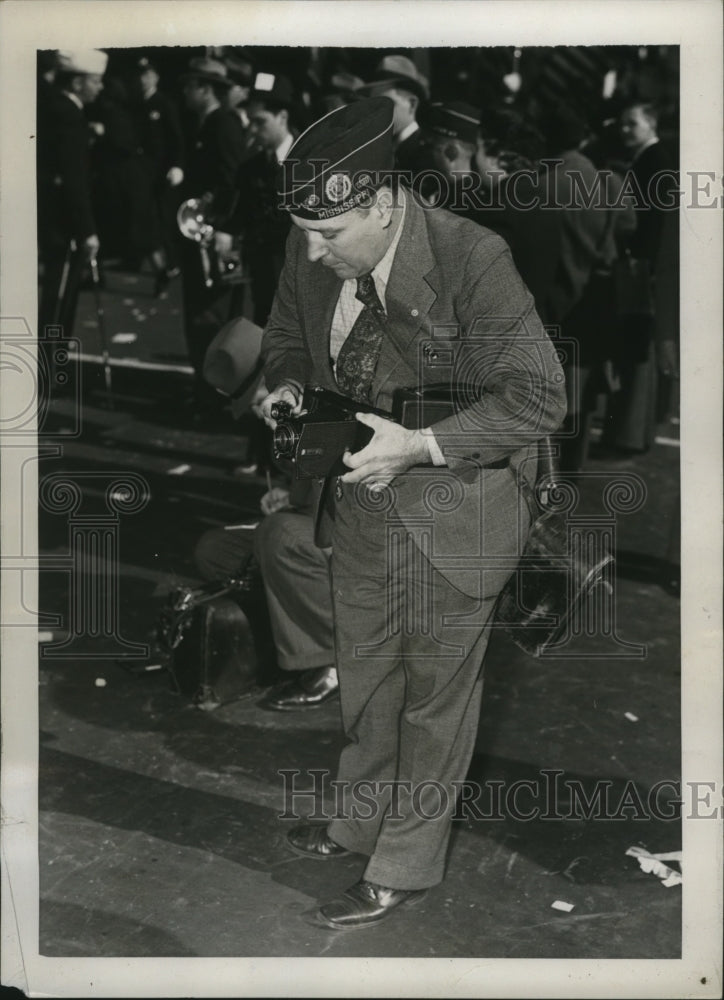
{"x":124,"y":338}
{"x":100,"y":682}
{"x":559,"y":904}
{"x":631,"y":717}
{"x":128,"y":302}
{"x":179,"y":470}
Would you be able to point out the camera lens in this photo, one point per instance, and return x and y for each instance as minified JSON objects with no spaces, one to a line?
{"x":285,"y":441}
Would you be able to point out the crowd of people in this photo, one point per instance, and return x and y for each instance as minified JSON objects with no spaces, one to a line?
{"x":119,"y":152}
{"x":549,"y":245}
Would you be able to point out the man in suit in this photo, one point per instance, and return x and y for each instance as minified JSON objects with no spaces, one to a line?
{"x":378,"y":294}
{"x":263,"y":226}
{"x":159,"y":127}
{"x":67,"y":231}
{"x":398,"y":78}
{"x":214,"y":152}
{"x":631,"y":425}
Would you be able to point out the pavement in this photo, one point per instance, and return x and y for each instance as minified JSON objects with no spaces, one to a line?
{"x":160,"y":828}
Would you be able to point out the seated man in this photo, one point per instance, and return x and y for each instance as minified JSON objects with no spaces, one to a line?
{"x":301,"y":616}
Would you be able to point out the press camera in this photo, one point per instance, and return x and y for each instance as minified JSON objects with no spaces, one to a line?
{"x":316,"y":440}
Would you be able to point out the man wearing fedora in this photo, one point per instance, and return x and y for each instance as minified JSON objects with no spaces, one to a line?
{"x":398,"y":78}
{"x":214,"y":152}
{"x":379,"y":295}
{"x":264,"y":228}
{"x":67,"y":232}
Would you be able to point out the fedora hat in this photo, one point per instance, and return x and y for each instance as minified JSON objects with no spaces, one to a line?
{"x":207,"y":70}
{"x":399,"y":71}
{"x":232,"y":363}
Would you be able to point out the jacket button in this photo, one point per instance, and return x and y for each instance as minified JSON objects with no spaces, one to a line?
{"x":414,"y":312}
{"x":476,"y":454}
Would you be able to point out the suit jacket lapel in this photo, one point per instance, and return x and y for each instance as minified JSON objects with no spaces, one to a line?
{"x":321,"y":292}
{"x":410,"y":293}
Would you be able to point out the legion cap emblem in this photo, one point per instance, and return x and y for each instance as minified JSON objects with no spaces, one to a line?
{"x":338,"y":187}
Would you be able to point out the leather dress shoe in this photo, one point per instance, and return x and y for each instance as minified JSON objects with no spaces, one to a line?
{"x":365,"y":903}
{"x":310,"y":689}
{"x":312,"y":841}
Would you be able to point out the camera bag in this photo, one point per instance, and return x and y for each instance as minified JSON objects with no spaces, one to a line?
{"x":554,"y":576}
{"x":217,"y":639}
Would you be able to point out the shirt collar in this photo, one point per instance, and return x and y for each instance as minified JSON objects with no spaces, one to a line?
{"x":639,"y":151}
{"x":407,"y":131}
{"x":74,"y":98}
{"x":381,"y":271}
{"x":282,"y":150}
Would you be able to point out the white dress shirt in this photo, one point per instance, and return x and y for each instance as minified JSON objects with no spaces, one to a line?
{"x":349,"y":307}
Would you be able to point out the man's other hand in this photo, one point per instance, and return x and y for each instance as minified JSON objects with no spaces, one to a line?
{"x":284,"y":393}
{"x":276,"y":499}
{"x":393,"y":449}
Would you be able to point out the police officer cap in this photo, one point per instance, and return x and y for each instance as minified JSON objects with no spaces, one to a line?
{"x":455,"y":120}
{"x":82,"y":61}
{"x":340,"y":159}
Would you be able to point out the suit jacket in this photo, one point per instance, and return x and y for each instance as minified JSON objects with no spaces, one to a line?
{"x":588,"y":231}
{"x":214,"y":154}
{"x":646,"y":238}
{"x":457,"y":312}
{"x":532,"y":233}
{"x":64,"y":187}
{"x":159,"y":127}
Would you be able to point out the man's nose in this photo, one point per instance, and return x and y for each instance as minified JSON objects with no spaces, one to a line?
{"x":315,"y":247}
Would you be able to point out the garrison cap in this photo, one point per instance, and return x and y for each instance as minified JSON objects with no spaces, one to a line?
{"x":82,"y":61}
{"x":454,"y":120}
{"x":339,"y":161}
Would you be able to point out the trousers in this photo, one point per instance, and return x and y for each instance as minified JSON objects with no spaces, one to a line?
{"x":409,"y":648}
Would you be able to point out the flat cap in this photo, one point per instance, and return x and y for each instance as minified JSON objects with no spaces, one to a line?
{"x":82,"y":61}
{"x":339,"y":161}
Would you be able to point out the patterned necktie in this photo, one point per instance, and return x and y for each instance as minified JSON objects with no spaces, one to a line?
{"x":357,"y":359}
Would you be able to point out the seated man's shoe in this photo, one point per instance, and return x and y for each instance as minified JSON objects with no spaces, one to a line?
{"x":310,"y":689}
{"x":312,"y":841}
{"x":365,"y":903}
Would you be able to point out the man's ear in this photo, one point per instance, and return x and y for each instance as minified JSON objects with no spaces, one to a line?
{"x":384,"y":203}
{"x":76,"y":84}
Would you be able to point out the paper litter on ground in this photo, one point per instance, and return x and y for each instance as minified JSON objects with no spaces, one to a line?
{"x":559,"y":904}
{"x":654,"y":864}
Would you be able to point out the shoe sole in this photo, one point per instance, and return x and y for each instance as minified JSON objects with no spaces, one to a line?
{"x":298,"y":708}
{"x":317,"y":857}
{"x":370,"y":923}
